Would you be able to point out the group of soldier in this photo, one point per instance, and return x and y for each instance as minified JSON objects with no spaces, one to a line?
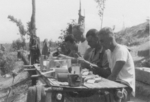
{"x":114,"y":60}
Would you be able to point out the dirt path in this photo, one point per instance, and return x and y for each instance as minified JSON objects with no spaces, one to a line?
{"x":7,"y":82}
{"x":17,"y":90}
{"x":18,"y":93}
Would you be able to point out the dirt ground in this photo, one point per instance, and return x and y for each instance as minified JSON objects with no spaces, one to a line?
{"x":17,"y":92}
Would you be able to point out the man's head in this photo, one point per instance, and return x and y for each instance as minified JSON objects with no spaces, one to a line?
{"x":70,"y":42}
{"x":69,"y":39}
{"x":77,"y":32}
{"x":45,"y":41}
{"x":92,"y":38}
{"x":106,"y":37}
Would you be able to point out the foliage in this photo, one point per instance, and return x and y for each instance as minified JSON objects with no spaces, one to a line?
{"x":134,"y":35}
{"x":22,"y":30}
{"x":53,"y":43}
{"x":18,"y":44}
{"x":101,"y":7}
{"x":67,"y":31}
{"x":7,"y":62}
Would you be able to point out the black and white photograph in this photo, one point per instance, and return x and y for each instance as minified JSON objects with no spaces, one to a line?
{"x":74,"y":50}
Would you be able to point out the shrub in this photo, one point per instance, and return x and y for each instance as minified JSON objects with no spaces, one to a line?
{"x":7,"y":62}
{"x":18,"y":44}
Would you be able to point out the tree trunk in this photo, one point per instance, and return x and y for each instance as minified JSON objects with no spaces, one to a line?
{"x":33,"y":25}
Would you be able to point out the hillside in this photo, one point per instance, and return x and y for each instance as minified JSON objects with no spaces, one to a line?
{"x":137,"y":38}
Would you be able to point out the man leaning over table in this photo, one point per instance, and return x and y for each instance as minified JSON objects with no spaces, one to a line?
{"x":97,"y":55}
{"x":121,"y":63}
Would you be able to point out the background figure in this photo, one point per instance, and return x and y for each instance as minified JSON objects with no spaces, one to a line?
{"x":34,"y":49}
{"x":45,"y":49}
{"x":64,"y":49}
{"x":80,"y":39}
{"x":71,"y":46}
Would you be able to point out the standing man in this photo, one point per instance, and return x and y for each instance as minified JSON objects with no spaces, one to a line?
{"x":121,"y":63}
{"x":45,"y":49}
{"x":80,"y":39}
{"x":34,"y":49}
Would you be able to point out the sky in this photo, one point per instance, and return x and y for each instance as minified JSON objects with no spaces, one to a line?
{"x":53,"y":15}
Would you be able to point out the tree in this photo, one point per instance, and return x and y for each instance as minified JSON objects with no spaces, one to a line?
{"x":22,"y":31}
{"x":101,"y":7}
{"x":67,"y":31}
{"x":147,"y":26}
{"x":18,"y":44}
{"x":31,"y":24}
{"x":7,"y":62}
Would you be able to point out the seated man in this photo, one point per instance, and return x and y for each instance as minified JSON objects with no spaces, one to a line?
{"x":71,"y":46}
{"x":121,"y":62}
{"x":97,"y":55}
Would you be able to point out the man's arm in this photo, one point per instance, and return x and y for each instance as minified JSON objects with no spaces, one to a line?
{"x":117,"y":68}
{"x":103,"y":69}
{"x":121,"y":58}
{"x":87,"y":54}
{"x":102,"y":72}
{"x":86,"y":57}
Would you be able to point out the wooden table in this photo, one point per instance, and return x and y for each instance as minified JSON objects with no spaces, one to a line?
{"x":54,"y":87}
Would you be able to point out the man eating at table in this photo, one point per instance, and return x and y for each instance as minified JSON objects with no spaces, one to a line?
{"x":96,"y":55}
{"x":121,"y":63}
{"x":71,"y":46}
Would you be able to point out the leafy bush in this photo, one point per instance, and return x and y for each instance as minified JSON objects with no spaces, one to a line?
{"x":18,"y":44}
{"x":7,"y":62}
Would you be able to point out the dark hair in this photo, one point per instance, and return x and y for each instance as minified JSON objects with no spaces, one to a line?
{"x":92,"y":32}
{"x":69,"y":38}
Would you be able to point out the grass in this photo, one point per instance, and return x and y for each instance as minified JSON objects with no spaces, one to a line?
{"x":137,"y":38}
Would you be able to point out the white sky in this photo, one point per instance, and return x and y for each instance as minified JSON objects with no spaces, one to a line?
{"x":53,"y":15}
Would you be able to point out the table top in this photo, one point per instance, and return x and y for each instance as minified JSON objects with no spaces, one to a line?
{"x":103,"y":84}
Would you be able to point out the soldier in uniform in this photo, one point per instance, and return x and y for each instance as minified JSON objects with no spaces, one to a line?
{"x":45,"y":49}
{"x":34,"y":49}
